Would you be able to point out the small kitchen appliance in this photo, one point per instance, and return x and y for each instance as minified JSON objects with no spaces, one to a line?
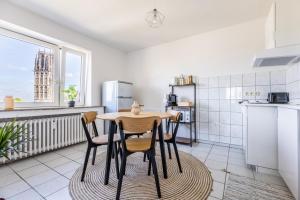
{"x":278,"y":97}
{"x":172,"y":100}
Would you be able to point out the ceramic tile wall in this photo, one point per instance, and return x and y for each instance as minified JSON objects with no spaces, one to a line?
{"x":293,"y":83}
{"x":219,"y":112}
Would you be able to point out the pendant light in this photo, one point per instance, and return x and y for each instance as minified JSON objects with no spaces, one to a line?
{"x":155,"y":18}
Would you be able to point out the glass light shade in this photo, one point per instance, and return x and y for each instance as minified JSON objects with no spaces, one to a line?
{"x":155,"y":18}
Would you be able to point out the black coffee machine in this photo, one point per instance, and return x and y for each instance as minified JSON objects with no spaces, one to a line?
{"x":172,"y":100}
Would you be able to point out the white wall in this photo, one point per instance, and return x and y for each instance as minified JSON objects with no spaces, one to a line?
{"x":107,"y":63}
{"x":221,"y":52}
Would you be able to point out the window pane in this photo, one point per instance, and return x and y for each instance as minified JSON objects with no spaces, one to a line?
{"x":73,"y":72}
{"x":27,"y":71}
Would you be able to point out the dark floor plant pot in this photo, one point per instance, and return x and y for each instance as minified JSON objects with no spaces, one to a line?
{"x":71,"y":104}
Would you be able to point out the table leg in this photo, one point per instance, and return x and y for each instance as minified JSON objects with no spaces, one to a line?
{"x":112,"y":128}
{"x":162,"y":150}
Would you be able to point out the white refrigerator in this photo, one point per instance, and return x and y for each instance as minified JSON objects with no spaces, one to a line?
{"x":116,"y":95}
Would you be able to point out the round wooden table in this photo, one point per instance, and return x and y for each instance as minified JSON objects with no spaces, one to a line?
{"x":113,"y":127}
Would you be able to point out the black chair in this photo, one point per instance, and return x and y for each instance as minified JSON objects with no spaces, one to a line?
{"x":170,"y":136}
{"x":134,"y":145}
{"x":97,"y":140}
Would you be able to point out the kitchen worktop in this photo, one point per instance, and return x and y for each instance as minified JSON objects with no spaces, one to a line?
{"x":290,"y":106}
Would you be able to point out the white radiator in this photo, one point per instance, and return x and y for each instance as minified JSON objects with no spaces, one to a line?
{"x":49,"y":133}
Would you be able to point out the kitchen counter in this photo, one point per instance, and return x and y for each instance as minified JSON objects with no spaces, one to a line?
{"x":290,"y":106}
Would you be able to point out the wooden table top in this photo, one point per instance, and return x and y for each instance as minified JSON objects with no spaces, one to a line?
{"x":114,"y":116}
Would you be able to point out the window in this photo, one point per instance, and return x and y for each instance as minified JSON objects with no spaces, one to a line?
{"x":74,"y":72}
{"x":31,"y":71}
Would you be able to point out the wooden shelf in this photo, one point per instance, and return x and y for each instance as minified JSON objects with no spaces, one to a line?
{"x":182,"y":106}
{"x":192,"y":125}
{"x":187,"y":122}
{"x":185,"y":85}
{"x":182,"y":140}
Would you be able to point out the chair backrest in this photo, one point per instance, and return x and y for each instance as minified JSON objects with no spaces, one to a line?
{"x":125,"y":110}
{"x":138,"y":125}
{"x":175,"y":115}
{"x":175,"y":119}
{"x":86,"y":119}
{"x":89,"y":117}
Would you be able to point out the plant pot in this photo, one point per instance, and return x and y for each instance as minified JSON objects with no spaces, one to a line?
{"x":71,"y":104}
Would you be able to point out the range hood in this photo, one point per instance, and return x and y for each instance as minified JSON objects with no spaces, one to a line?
{"x":278,"y":56}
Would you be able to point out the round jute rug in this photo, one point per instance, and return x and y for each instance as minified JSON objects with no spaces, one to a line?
{"x":194,"y":183}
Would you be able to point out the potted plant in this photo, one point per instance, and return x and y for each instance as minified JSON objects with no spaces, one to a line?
{"x":71,"y":93}
{"x":12,"y":134}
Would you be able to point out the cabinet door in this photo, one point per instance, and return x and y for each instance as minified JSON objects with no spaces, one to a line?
{"x":288,"y":148}
{"x":287,"y":22}
{"x":262,"y":137}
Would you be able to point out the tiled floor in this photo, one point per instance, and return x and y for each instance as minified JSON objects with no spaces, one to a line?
{"x":47,"y":176}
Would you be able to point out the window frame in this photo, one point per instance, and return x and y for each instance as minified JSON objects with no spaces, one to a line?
{"x":59,"y":69}
{"x":83,"y":73}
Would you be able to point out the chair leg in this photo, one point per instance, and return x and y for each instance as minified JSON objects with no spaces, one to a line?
{"x":120,"y":150}
{"x":113,"y":154}
{"x":155,"y":175}
{"x":123,"y":166}
{"x":87,"y":155}
{"x":169,"y":150}
{"x":94,"y":155}
{"x":149,"y":166}
{"x":116,"y":160}
{"x":177,"y":156}
{"x":144,"y":157}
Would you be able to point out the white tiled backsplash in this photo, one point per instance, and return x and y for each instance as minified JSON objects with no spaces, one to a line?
{"x":219,"y":116}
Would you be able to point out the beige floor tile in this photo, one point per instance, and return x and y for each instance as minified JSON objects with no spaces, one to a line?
{"x":9,"y":179}
{"x":76,"y":155}
{"x":5,"y":170}
{"x":218,"y":175}
{"x":236,"y":155}
{"x":237,"y":161}
{"x":217,"y":157}
{"x":66,"y":151}
{"x":271,"y":179}
{"x":67,"y":167}
{"x":216,"y":165}
{"x":242,"y":171}
{"x":52,"y":186}
{"x":42,"y":177}
{"x":70,"y":173}
{"x":46,"y":157}
{"x":32,"y":171}
{"x":62,"y":194}
{"x":218,"y":189}
{"x":57,"y":162}
{"x":27,"y":195}
{"x":24,"y":164}
{"x":13,"y":189}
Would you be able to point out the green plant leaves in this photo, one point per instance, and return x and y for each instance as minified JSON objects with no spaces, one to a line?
{"x":12,"y":134}
{"x":71,"y":92}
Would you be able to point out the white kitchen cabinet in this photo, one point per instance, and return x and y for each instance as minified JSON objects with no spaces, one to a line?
{"x":260,"y":130}
{"x":282,"y":24}
{"x":287,"y":22}
{"x":288,"y":148}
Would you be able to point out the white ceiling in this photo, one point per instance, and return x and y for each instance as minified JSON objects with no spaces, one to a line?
{"x":121,"y":23}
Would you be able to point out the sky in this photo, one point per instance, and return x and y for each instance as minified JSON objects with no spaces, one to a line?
{"x":17,"y":65}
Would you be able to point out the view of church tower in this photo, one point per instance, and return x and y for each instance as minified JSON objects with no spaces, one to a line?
{"x":43,"y":74}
